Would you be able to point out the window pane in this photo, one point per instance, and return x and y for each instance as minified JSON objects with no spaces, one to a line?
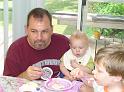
{"x":1,"y":37}
{"x":61,"y":5}
{"x":64,"y":15}
{"x":1,"y":21}
{"x":10,"y":16}
{"x":107,"y":18}
{"x":106,"y":8}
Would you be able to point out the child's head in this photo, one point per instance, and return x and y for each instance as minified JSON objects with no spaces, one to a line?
{"x":109,"y":65}
{"x":79,"y":43}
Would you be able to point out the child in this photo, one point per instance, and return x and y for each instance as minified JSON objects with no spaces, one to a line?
{"x":109,"y":70}
{"x":78,"y":57}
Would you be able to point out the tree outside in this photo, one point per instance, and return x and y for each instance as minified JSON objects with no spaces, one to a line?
{"x":114,"y":9}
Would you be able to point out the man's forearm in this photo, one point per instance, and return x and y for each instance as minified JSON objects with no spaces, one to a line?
{"x":24,"y":75}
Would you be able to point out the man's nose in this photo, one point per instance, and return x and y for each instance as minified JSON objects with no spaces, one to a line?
{"x":39,"y":36}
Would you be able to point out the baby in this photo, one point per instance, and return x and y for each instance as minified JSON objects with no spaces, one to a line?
{"x":78,"y":57}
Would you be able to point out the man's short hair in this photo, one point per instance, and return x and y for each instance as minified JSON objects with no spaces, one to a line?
{"x":39,"y":14}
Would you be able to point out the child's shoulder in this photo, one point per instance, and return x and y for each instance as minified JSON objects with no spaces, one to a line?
{"x":97,"y":88}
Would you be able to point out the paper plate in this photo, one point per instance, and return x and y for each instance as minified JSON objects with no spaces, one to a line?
{"x":30,"y":87}
{"x":33,"y":90}
{"x":58,"y":84}
{"x":47,"y":73}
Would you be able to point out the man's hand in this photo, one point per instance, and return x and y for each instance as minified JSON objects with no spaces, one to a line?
{"x":32,"y":73}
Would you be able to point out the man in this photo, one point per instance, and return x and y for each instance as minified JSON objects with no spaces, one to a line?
{"x":40,"y":47}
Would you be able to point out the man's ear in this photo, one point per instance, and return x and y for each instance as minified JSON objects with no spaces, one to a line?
{"x":52,"y":28}
{"x":26,"y":29}
{"x":70,"y":45}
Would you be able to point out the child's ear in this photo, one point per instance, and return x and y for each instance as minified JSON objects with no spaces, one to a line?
{"x":117,"y":78}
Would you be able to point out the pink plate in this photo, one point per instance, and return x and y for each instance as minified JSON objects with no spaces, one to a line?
{"x":58,"y":84}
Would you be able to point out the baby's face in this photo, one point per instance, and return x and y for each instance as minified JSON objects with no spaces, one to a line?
{"x":78,"y":47}
{"x":101,"y":76}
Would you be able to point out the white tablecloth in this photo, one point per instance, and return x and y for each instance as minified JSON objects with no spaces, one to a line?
{"x":12,"y":84}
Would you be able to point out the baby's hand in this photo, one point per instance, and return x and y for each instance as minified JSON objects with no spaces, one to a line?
{"x":80,"y":74}
{"x":71,"y":78}
{"x":74,"y":63}
{"x":75,"y":72}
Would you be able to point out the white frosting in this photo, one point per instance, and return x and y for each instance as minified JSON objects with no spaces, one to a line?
{"x":30,"y":86}
{"x":57,"y":86}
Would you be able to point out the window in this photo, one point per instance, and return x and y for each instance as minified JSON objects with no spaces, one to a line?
{"x":64,"y":15}
{"x":106,"y":16}
{"x":1,"y":18}
{"x":5,"y":28}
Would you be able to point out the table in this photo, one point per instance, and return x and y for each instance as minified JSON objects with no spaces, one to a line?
{"x":12,"y":84}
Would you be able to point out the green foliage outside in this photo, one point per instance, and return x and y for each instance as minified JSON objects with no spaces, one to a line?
{"x":107,"y":8}
{"x":67,"y":6}
{"x":115,"y":9}
{"x":52,"y":6}
{"x":2,"y":13}
{"x":61,"y":5}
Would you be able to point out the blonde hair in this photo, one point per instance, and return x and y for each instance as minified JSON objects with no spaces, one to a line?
{"x":81,"y":36}
{"x":112,"y":58}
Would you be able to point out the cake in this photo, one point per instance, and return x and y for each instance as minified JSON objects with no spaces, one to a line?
{"x":57,"y":85}
{"x":30,"y":86}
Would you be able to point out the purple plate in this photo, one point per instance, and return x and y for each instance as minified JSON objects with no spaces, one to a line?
{"x":58,"y":84}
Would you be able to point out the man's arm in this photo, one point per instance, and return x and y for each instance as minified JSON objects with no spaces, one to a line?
{"x":31,"y":73}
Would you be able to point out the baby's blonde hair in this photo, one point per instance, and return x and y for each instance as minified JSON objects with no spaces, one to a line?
{"x":112,"y":58}
{"x":80,"y":36}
